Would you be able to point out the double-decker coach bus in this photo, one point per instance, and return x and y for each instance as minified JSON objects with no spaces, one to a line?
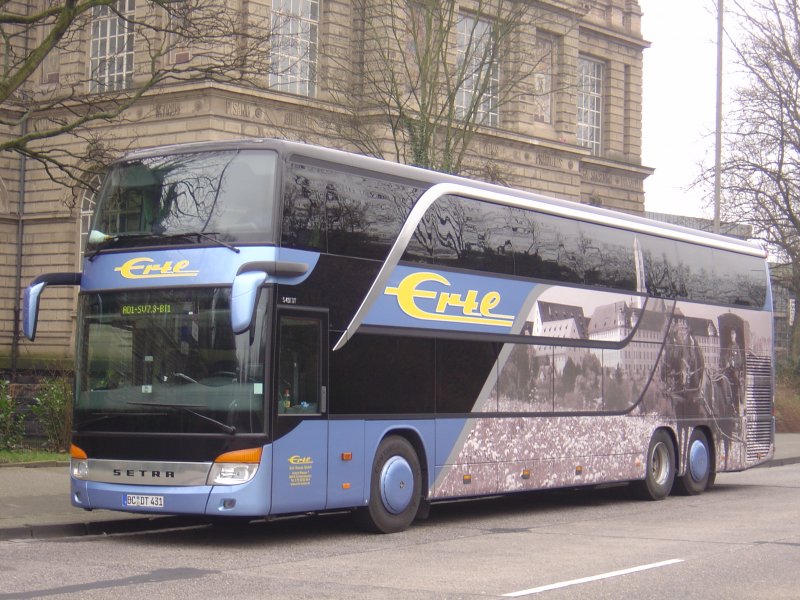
{"x":267,"y":328}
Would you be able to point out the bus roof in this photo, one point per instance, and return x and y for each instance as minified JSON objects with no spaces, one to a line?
{"x":557,"y":206}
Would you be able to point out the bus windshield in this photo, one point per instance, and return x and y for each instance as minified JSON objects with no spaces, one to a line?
{"x":168,"y":361}
{"x":179,"y":198}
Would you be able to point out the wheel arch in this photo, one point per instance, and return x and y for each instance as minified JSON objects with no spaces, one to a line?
{"x":675,"y":446}
{"x":414,"y":437}
{"x":419,"y":435}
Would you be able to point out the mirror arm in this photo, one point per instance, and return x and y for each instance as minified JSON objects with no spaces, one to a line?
{"x":30,"y":306}
{"x":275,"y":268}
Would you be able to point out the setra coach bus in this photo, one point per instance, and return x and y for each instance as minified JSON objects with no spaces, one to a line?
{"x":270,"y":328}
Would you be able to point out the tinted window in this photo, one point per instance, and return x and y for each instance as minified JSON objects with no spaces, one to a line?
{"x":179,"y":197}
{"x":665,"y":276}
{"x":701,"y":277}
{"x":608,"y":257}
{"x":462,"y":370}
{"x":383,"y":375}
{"x":682,"y":270}
{"x":536,"y":239}
{"x":343,"y":213}
{"x":145,"y":355}
{"x":551,"y":247}
{"x":741,"y":280}
{"x":299,"y":365}
{"x":469,"y":234}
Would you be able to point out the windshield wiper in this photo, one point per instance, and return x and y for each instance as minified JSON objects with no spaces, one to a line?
{"x":103,"y":416}
{"x":188,"y":408}
{"x":211,"y":236}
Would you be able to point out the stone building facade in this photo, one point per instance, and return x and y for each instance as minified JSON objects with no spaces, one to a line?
{"x":577,"y":135}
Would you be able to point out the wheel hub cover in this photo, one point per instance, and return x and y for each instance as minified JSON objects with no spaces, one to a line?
{"x":397,"y":484}
{"x":698,"y":460}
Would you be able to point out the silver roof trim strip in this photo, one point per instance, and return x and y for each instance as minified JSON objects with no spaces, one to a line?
{"x":440,"y":190}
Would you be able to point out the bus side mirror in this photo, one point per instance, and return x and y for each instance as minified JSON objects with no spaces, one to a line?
{"x":30,"y":302}
{"x":30,"y":309}
{"x":244,"y":295}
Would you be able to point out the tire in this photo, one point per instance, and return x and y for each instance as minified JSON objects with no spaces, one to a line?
{"x":395,"y":490}
{"x":698,"y":476}
{"x":660,"y":468}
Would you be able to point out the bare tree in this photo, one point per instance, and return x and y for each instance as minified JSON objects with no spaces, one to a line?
{"x":428,"y":77}
{"x":45,"y":93}
{"x":761,"y":168}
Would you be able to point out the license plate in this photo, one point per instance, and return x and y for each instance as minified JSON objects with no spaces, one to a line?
{"x":141,"y":501}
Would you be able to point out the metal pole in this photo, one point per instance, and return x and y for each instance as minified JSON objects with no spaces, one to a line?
{"x":718,"y":148}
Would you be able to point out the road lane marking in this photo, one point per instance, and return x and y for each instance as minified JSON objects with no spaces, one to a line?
{"x":563,"y":584}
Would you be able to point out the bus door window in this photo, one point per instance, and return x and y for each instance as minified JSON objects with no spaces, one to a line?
{"x":299,"y":385}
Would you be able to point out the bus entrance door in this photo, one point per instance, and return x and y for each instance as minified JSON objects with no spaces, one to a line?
{"x":299,"y":474}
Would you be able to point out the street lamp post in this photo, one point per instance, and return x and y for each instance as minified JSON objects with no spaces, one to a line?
{"x":718,"y":148}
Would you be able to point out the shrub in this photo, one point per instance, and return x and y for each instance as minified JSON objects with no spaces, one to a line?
{"x":787,"y":395}
{"x":11,"y":425}
{"x":53,"y":409}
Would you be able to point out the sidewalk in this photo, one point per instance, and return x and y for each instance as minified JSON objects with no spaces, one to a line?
{"x":35,"y":502}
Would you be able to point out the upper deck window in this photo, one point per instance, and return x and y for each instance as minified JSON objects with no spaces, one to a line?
{"x":187,"y":198}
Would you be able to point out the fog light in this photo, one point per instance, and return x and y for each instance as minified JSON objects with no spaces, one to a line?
{"x":228,"y":503}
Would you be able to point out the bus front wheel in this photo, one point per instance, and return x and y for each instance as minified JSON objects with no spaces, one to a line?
{"x":395,"y":487}
{"x":660,"y":468}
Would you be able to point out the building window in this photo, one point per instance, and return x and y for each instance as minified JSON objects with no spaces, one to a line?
{"x":294,"y":46}
{"x":477,"y":97}
{"x":51,"y":64}
{"x":543,"y":80}
{"x":590,"y":103}
{"x":112,"y":46}
{"x":178,"y":26}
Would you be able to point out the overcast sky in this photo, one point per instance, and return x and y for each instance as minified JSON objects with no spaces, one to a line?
{"x":679,"y":101}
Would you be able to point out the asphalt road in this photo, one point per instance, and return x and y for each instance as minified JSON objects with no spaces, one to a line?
{"x":741,"y":540}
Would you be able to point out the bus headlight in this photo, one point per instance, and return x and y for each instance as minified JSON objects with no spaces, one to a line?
{"x":231,"y":473}
{"x":79,"y":468}
{"x":79,"y":462}
{"x":233,"y":468}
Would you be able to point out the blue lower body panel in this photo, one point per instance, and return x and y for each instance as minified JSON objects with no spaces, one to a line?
{"x":250,"y":499}
{"x":190,"y":500}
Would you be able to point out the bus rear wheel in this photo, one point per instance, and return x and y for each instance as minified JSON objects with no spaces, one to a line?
{"x":660,"y":468}
{"x":698,"y":466}
{"x":395,"y":487}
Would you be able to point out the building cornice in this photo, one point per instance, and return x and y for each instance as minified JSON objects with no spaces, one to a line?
{"x":633,"y":41}
{"x":597,"y":161}
{"x":49,"y":217}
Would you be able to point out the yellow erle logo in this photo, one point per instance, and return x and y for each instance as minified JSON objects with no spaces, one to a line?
{"x":473,"y":310}
{"x":146,"y":268}
{"x":300,"y":460}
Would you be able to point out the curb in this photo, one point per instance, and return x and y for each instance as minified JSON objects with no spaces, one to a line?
{"x":36,"y":464}
{"x":779,"y":462}
{"x":134,"y":525}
